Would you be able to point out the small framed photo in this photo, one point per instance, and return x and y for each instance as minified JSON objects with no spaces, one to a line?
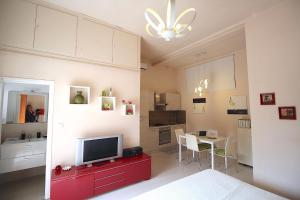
{"x":287,"y":112}
{"x":267,"y":99}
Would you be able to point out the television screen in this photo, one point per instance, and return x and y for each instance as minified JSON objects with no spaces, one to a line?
{"x":100,"y":148}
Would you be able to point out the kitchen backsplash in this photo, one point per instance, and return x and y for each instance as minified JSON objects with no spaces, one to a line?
{"x":161,"y":118}
{"x":15,"y":130}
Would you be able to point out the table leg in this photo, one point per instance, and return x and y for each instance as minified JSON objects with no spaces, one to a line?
{"x":212,"y":156}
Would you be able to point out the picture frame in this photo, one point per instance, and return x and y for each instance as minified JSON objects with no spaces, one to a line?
{"x":267,"y":99}
{"x":287,"y":112}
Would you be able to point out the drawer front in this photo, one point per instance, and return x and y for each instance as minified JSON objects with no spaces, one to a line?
{"x":109,"y":172}
{"x":110,"y":186}
{"x":14,"y":164}
{"x":16,"y":150}
{"x":110,"y":179}
{"x":39,"y":147}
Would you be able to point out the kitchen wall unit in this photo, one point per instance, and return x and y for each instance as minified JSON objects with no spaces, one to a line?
{"x":42,"y":29}
{"x":94,"y":41}
{"x":172,"y":101}
{"x":17,"y":23}
{"x":125,"y":49}
{"x":55,"y":31}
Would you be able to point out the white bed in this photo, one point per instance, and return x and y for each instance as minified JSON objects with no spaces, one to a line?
{"x":208,"y":185}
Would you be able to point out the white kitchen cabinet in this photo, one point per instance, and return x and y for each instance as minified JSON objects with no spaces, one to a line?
{"x":20,"y":163}
{"x":172,"y":101}
{"x":17,"y":22}
{"x":126,"y":49}
{"x":18,"y":155}
{"x":94,"y":41}
{"x":55,"y":31}
{"x":244,"y":146}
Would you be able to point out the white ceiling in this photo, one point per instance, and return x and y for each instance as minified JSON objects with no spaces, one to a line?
{"x":212,"y":16}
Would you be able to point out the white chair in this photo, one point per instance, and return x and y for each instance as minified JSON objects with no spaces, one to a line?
{"x":193,"y":144}
{"x":228,"y":151}
{"x":180,"y":132}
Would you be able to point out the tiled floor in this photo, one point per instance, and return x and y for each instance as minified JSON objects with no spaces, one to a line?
{"x":27,"y":189}
{"x":165,"y":169}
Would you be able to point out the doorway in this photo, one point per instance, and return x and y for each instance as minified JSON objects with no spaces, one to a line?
{"x":26,"y":108}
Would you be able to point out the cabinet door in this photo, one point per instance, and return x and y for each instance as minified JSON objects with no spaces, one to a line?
{"x":55,"y":31}
{"x":17,"y":22}
{"x":16,"y":150}
{"x":20,"y":163}
{"x":173,"y":101}
{"x":73,"y":188}
{"x":94,"y":41}
{"x":126,"y":49}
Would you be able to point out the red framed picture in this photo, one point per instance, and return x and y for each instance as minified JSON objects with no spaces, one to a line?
{"x":267,"y":99}
{"x":287,"y":112}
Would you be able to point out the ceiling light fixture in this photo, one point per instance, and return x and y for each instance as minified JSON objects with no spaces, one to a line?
{"x":172,"y":28}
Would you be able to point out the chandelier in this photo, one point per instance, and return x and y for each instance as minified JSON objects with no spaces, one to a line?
{"x":202,"y":86}
{"x":172,"y":28}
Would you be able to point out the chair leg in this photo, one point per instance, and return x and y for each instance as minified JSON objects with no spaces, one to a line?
{"x":199,"y":158}
{"x":226,"y":162}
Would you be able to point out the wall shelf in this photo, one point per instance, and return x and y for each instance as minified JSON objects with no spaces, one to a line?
{"x":107,"y":103}
{"x":74,"y":90}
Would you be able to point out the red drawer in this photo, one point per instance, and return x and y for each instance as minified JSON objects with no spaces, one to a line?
{"x":108,"y":172}
{"x":110,"y":186}
{"x":110,"y":179}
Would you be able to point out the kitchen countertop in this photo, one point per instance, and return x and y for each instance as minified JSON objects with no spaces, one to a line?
{"x":162,"y":126}
{"x":17,"y":141}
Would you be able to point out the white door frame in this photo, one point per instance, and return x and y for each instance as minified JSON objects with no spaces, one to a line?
{"x":49,"y":125}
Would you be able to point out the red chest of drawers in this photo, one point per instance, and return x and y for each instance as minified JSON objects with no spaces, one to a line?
{"x":83,"y":182}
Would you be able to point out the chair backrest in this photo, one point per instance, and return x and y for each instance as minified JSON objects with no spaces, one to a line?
{"x":191,"y":142}
{"x":202,"y":133}
{"x":212,"y":133}
{"x":179,"y":132}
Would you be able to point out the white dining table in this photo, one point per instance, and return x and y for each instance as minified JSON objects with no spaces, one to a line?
{"x":203,"y":139}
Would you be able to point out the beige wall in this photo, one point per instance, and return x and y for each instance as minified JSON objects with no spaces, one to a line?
{"x":273,"y":48}
{"x":154,"y":79}
{"x":215,"y":116}
{"x":159,"y":79}
{"x":73,"y":121}
{"x":15,"y":130}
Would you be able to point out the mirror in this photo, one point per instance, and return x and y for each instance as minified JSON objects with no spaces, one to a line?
{"x":26,"y":107}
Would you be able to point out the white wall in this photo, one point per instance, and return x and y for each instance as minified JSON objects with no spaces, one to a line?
{"x":216,"y":116}
{"x":273,"y":56}
{"x":73,"y":121}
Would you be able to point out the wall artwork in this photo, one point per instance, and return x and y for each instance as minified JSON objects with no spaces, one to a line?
{"x":237,"y":105}
{"x":199,"y":105}
{"x":267,"y":99}
{"x":287,"y":112}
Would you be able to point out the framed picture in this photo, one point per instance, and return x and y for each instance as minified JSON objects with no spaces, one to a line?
{"x":287,"y":112}
{"x":267,"y":99}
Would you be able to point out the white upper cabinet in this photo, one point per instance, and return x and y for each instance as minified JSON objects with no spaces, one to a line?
{"x":55,"y":31}
{"x":172,"y":101}
{"x":126,"y":49}
{"x":17,"y":22}
{"x":94,"y":41}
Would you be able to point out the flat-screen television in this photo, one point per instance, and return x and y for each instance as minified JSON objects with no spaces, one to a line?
{"x":89,"y":150}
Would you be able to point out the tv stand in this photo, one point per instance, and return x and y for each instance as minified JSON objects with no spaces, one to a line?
{"x":83,"y":182}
